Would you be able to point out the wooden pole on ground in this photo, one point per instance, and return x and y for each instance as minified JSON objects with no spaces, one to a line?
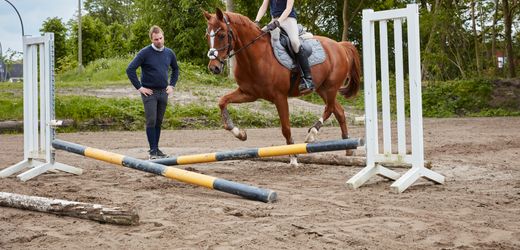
{"x":96,"y":212}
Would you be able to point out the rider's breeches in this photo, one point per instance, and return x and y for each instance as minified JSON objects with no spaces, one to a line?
{"x":291,"y":27}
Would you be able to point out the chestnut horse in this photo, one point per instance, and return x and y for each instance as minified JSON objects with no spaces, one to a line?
{"x":260,"y":76}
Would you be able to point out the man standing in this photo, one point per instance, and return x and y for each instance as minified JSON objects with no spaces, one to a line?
{"x":154,"y":60}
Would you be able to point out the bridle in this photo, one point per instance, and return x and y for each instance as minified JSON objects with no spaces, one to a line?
{"x":213,"y":52}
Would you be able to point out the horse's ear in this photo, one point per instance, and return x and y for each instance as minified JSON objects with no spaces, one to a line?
{"x":207,"y":15}
{"x":220,"y":14}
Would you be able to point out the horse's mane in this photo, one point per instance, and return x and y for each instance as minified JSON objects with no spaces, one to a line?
{"x":240,"y":19}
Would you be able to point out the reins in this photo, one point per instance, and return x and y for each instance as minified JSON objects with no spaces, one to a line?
{"x":247,"y":45}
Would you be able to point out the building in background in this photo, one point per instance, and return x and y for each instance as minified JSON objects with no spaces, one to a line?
{"x":15,"y":73}
{"x":3,"y":71}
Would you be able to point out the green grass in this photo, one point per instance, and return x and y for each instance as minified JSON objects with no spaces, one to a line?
{"x":11,"y":106}
{"x":440,"y":99}
{"x":91,"y":113}
{"x":111,"y":72}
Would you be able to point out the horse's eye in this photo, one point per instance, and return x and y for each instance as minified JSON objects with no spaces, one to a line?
{"x":221,"y":36}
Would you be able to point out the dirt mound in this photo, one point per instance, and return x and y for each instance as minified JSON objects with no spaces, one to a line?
{"x":506,"y":94}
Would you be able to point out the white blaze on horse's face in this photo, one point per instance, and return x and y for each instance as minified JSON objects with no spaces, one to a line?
{"x":212,"y":52}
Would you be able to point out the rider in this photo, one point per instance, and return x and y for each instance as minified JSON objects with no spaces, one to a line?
{"x":284,"y":16}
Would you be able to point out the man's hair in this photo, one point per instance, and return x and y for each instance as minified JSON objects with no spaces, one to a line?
{"x":155,"y":30}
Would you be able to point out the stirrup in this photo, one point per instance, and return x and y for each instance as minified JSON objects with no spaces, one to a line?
{"x":306,"y":86}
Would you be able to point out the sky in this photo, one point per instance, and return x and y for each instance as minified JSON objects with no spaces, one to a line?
{"x":33,"y":13}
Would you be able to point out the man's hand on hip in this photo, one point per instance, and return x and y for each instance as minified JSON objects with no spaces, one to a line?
{"x":169,"y":90}
{"x":145,"y":91}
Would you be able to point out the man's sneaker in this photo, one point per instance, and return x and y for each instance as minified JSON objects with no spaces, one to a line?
{"x":156,"y":154}
{"x":161,"y":154}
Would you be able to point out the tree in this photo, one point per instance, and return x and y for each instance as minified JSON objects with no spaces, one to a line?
{"x":182,"y":22}
{"x":347,"y":19}
{"x":509,"y":8}
{"x":117,"y":40}
{"x":111,"y":11}
{"x":494,"y":34}
{"x":56,"y":26}
{"x":230,"y":6}
{"x":475,"y":36}
{"x":94,"y":41}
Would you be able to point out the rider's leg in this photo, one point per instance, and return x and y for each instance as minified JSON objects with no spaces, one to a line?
{"x":291,"y":27}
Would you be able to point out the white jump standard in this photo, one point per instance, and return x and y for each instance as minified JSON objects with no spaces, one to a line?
{"x":37,"y":136}
{"x":374,"y":157}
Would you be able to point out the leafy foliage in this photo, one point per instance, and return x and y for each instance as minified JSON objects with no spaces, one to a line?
{"x":457,"y":98}
{"x":56,"y":26}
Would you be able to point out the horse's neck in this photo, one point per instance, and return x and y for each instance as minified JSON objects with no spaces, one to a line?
{"x":248,"y":57}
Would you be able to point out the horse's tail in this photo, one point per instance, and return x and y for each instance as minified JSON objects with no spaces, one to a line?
{"x":354,"y":75}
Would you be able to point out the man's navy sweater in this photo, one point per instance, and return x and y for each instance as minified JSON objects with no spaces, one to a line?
{"x":154,"y":68}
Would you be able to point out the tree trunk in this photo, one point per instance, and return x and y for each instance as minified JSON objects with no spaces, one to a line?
{"x":474,"y":25}
{"x":508,"y":16}
{"x":347,"y":20}
{"x":429,"y":42}
{"x":494,"y":36}
{"x":344,"y":36}
{"x":230,"y":7}
{"x":424,"y":4}
{"x":81,"y":210}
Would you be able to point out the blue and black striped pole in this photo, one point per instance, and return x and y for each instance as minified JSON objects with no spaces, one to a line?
{"x":293,"y":149}
{"x":230,"y":187}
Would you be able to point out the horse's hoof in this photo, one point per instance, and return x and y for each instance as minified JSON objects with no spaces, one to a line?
{"x":294,"y":161}
{"x":311,"y":136}
{"x":242,"y":135}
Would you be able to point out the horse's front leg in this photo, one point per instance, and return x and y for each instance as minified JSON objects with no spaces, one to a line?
{"x":236,"y":96}
{"x":312,"y":133}
{"x":283,"y":112}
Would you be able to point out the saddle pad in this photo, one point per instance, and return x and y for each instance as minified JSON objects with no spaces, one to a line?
{"x":318,"y":53}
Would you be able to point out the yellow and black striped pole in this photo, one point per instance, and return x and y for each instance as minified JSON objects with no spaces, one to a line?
{"x":293,"y":149}
{"x":246,"y":191}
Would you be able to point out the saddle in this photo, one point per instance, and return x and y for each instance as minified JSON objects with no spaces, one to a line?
{"x":284,"y":53}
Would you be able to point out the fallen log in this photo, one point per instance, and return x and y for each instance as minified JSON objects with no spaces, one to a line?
{"x":96,"y":212}
{"x":17,"y":126}
{"x":324,"y":159}
{"x":11,"y":126}
{"x":336,"y":160}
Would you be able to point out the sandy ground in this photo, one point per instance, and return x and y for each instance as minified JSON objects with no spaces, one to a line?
{"x":477,"y":207}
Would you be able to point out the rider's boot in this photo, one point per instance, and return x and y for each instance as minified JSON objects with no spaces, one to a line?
{"x":306,"y":85}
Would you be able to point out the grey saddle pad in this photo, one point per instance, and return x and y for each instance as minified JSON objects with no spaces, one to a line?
{"x":318,"y":53}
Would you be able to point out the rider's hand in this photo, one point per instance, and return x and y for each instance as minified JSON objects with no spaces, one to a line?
{"x":273,"y":25}
{"x":145,"y":91}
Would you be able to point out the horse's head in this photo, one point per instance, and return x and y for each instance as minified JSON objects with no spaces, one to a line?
{"x":220,"y":40}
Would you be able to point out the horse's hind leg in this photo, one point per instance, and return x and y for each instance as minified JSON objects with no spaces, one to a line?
{"x":339,"y":113}
{"x":236,"y":96}
{"x":283,"y":112}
